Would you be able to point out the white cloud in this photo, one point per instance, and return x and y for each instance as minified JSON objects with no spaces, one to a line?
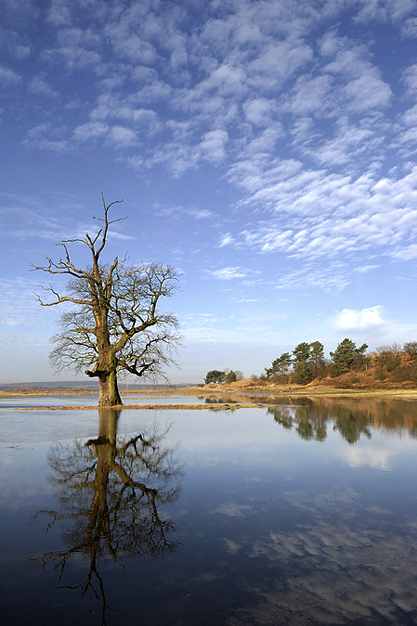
{"x":366,"y":268}
{"x":310,"y":95}
{"x":315,"y":214}
{"x":278,"y":62}
{"x":78,"y":48}
{"x":225,"y":80}
{"x":213,"y":145}
{"x":201,"y":214}
{"x":406,"y":253}
{"x":371,"y":11}
{"x":330,"y":279}
{"x":367,"y":92}
{"x":91,"y":130}
{"x":265,"y":142}
{"x":226,"y":240}
{"x":8,"y":77}
{"x":48,"y":137}
{"x":39,"y":86}
{"x":409,"y":78}
{"x":122,"y":137}
{"x":228,"y":273}
{"x":59,"y":13}
{"x":258,"y":111}
{"x":350,"y":58}
{"x":354,"y":319}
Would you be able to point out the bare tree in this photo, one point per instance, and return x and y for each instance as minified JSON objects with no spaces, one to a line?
{"x":116,"y":324}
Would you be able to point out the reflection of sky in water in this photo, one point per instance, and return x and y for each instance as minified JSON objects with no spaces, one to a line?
{"x":92,"y":399}
{"x":274,"y":529}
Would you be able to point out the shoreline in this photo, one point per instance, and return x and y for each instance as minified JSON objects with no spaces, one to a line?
{"x":215,"y":391}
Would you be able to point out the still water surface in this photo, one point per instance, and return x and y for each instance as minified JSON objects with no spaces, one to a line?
{"x":303,"y":512}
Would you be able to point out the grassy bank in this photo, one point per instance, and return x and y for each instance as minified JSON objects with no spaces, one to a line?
{"x":239,"y":389}
{"x":307,"y":392}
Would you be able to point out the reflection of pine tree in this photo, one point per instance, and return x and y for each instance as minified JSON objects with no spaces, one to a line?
{"x":353,"y":417}
{"x":307,"y":426}
{"x":110,"y":491}
{"x":350,"y":427}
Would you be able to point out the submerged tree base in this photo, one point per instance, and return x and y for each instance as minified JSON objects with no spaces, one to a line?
{"x":109,"y":393}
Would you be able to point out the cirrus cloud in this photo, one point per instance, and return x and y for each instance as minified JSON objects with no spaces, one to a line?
{"x":228,"y":273}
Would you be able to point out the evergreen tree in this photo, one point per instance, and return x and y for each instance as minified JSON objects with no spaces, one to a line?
{"x":316,"y":358}
{"x":231,"y":377}
{"x":347,"y":356}
{"x":281,"y":365}
{"x":301,"y":356}
{"x":215,"y":376}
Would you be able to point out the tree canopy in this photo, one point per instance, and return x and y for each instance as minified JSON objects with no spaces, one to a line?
{"x":231,"y":377}
{"x":215,"y":376}
{"x":280,"y":365}
{"x":390,"y":364}
{"x":345,"y":355}
{"x":307,"y":360}
{"x":301,"y":356}
{"x":114,"y":323}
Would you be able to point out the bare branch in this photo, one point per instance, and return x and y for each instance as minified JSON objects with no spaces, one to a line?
{"x":116,"y":322}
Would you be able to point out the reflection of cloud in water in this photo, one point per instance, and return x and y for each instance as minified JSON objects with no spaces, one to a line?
{"x":232,"y":509}
{"x":376,"y":510}
{"x":325,"y":501}
{"x":335,"y":576}
{"x":232,"y":547}
{"x":378,"y":458}
{"x":379,"y":453}
{"x":21,"y":479}
{"x":334,"y":570}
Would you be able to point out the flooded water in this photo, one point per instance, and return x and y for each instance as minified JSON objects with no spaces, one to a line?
{"x":299,"y":513}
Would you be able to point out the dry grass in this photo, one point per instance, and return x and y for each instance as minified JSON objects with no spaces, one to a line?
{"x":297,"y":390}
{"x":156,"y":407}
{"x":39,"y":393}
{"x":239,"y":390}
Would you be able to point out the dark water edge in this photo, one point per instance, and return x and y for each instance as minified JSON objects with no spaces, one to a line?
{"x":289,"y":514}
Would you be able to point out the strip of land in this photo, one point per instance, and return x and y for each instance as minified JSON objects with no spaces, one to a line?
{"x":216,"y":397}
{"x":242,"y":388}
{"x":156,"y":407}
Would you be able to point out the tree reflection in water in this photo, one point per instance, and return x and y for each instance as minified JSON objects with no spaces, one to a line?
{"x":353,"y":418}
{"x":110,"y":491}
{"x":299,"y":418}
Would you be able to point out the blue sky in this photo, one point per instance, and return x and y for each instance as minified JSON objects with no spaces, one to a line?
{"x":264,"y":148}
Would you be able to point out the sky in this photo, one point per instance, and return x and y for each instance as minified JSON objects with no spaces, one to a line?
{"x":266,"y":149}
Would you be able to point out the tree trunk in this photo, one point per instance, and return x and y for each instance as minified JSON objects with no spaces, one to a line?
{"x":108,"y":389}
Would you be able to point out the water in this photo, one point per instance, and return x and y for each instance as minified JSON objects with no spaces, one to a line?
{"x":56,"y":401}
{"x":303,"y":512}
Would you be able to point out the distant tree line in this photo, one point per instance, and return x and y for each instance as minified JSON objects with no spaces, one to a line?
{"x":306,"y":362}
{"x":226,"y":376}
